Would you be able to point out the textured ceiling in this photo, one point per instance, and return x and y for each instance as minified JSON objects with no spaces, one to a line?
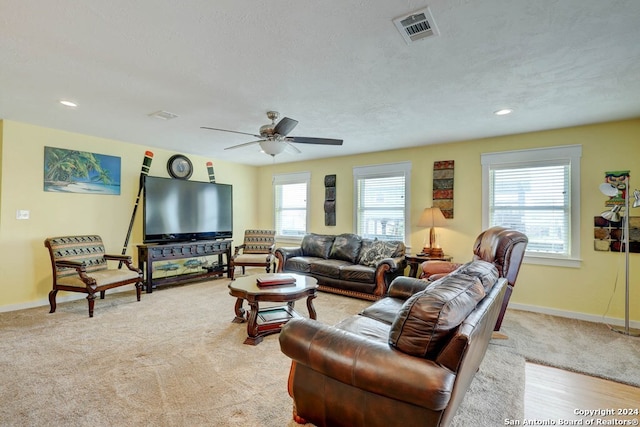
{"x":339,"y":67}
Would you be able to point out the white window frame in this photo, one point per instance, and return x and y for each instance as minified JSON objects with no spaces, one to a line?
{"x":290,"y":178}
{"x":538,"y":157}
{"x":385,"y":170}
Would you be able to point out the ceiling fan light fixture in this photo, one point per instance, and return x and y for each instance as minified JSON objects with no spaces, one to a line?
{"x":272,"y":147}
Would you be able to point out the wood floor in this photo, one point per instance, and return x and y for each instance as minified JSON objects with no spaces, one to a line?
{"x":561,"y":396}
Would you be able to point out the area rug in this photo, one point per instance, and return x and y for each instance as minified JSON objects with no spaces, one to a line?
{"x":175,"y":359}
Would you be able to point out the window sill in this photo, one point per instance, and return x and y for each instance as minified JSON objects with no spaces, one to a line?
{"x":552,"y":261}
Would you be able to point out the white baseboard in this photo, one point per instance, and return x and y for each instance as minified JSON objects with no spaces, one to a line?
{"x":613,"y":321}
{"x":66,"y":296}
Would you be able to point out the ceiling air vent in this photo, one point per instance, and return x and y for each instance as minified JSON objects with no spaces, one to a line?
{"x":416,"y":26}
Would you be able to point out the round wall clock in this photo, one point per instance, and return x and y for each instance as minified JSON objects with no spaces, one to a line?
{"x":179,"y":166}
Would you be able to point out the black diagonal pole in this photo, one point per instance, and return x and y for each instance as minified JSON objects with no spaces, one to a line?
{"x":146,"y":164}
{"x":212,"y":176}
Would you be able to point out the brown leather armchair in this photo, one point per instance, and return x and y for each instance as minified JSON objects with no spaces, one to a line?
{"x":500,"y":246}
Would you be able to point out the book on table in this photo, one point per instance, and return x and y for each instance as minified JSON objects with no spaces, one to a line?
{"x":275,"y":279}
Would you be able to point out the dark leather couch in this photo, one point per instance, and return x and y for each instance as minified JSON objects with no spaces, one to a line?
{"x":346,"y":264}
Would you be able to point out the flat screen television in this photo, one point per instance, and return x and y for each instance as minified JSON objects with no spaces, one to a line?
{"x":177,"y":210}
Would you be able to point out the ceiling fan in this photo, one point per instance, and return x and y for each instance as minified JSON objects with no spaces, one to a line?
{"x":274,"y":136}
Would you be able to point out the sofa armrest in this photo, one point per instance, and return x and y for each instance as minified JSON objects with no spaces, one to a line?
{"x":284,"y":253}
{"x":403,"y":287}
{"x":366,"y":364}
{"x":392,"y":263}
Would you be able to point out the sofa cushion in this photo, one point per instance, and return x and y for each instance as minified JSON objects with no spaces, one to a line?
{"x":300,"y":263}
{"x":346,"y":247}
{"x":427,"y":318}
{"x":327,"y":267}
{"x":483,"y":270}
{"x":373,"y":251}
{"x":317,"y":245}
{"x":358,"y":273}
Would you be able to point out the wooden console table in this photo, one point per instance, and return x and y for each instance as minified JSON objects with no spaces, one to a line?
{"x":148,"y":254}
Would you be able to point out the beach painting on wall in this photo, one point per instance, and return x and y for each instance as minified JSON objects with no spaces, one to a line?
{"x":73,"y":171}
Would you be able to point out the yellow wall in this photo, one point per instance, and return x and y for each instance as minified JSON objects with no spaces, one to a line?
{"x":586,"y":290}
{"x":26,"y":273}
{"x":25,"y":266}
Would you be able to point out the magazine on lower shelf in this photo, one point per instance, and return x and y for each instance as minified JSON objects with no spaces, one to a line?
{"x":275,"y":279}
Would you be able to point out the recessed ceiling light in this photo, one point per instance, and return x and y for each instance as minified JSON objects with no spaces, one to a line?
{"x":68,"y":103}
{"x":503,"y":112}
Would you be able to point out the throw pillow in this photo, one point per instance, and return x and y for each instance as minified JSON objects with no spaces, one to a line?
{"x":346,"y":247}
{"x":428,"y":318}
{"x":374,"y":251}
{"x":316,"y":245}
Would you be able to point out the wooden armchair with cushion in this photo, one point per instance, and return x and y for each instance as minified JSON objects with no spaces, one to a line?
{"x":79,"y":264}
{"x":255,"y":251}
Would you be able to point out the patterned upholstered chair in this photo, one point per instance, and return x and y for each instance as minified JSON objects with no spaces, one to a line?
{"x":256,"y":251}
{"x":80,"y":265}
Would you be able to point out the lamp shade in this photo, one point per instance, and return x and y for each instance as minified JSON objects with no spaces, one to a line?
{"x":613,"y":214}
{"x":608,"y":189}
{"x":431,"y":217}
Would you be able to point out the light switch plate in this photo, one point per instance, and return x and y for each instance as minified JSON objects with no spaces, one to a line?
{"x":22,"y":214}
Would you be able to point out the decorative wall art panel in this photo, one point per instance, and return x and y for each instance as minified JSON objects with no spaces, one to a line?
{"x":72,"y":171}
{"x":443,"y":187}
{"x":608,"y":235}
{"x":330,"y":200}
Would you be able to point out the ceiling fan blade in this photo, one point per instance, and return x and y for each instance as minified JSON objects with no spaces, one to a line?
{"x":231,"y":131}
{"x":322,"y":141}
{"x":293,"y":147}
{"x":285,"y":126}
{"x":244,"y":145}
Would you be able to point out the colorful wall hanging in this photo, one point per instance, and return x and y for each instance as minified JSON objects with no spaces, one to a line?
{"x":619,"y":180}
{"x":443,"y":187}
{"x":72,"y":171}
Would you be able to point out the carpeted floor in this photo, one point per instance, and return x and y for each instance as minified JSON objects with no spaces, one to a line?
{"x":175,"y":359}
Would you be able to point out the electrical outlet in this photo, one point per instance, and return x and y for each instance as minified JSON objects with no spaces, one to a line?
{"x":22,"y":214}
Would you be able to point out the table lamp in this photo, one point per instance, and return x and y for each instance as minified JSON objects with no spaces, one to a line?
{"x":432,"y":218}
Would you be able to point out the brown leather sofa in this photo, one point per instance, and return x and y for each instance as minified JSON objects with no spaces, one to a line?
{"x":346,"y":264}
{"x":407,"y":359}
{"x":504,"y":247}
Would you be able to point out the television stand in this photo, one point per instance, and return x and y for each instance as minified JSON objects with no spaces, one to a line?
{"x":148,"y":254}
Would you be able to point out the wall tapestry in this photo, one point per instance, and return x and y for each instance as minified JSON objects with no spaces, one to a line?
{"x":619,"y":180}
{"x":443,"y":187}
{"x":608,"y":235}
{"x":72,"y":171}
{"x":330,"y":200}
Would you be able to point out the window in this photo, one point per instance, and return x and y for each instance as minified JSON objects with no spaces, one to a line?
{"x":382,"y":201}
{"x":291,"y":207}
{"x":538,"y":193}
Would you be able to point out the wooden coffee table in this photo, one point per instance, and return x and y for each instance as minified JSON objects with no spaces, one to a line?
{"x":270,"y":320}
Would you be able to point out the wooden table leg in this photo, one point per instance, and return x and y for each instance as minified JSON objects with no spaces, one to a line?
{"x":252,"y":327}
{"x":240,"y":313}
{"x":310,"y":307}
